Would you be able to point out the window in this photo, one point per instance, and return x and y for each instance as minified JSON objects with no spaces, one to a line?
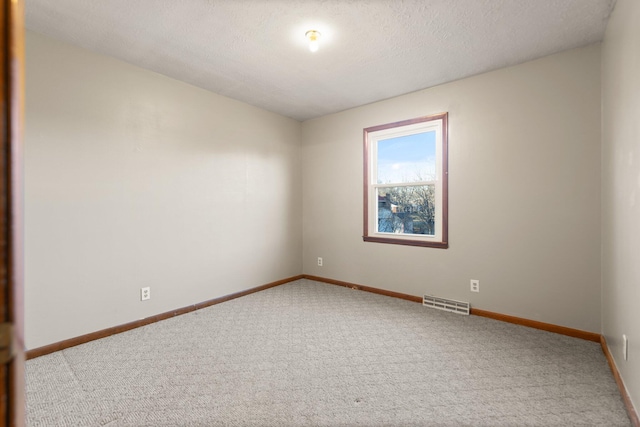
{"x":405,"y":182}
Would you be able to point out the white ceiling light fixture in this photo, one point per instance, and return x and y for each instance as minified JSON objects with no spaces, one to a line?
{"x":313,"y":36}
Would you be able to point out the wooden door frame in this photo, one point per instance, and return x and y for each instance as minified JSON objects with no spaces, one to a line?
{"x":12,"y":400}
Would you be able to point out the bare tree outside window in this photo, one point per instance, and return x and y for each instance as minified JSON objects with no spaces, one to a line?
{"x":407,"y":209}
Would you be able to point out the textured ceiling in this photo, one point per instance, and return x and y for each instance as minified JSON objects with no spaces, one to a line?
{"x":255,"y":51}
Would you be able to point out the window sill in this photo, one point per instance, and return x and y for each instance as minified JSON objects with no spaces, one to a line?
{"x":407,"y":242}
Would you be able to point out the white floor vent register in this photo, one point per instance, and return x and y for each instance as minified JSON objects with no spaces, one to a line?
{"x":451,"y":305}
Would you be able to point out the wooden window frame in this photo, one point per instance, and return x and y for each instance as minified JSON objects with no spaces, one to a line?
{"x":443,"y":175}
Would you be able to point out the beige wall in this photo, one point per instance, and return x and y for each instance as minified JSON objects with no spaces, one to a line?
{"x":134,"y":179}
{"x":524,"y":212}
{"x":621,"y":190}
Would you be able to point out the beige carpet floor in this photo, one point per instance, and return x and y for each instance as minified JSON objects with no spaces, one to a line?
{"x":312,"y":354}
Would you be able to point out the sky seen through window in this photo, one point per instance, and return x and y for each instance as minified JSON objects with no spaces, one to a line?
{"x":407,"y":158}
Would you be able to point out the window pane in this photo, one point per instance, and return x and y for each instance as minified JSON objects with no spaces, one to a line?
{"x":407,"y":210}
{"x":408,"y":158}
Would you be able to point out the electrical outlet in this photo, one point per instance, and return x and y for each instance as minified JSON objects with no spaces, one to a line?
{"x":319,"y":261}
{"x":475,"y":285}
{"x":625,"y":347}
{"x":145,"y":293}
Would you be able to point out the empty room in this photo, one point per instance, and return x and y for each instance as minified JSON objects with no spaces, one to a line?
{"x":332,"y":213}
